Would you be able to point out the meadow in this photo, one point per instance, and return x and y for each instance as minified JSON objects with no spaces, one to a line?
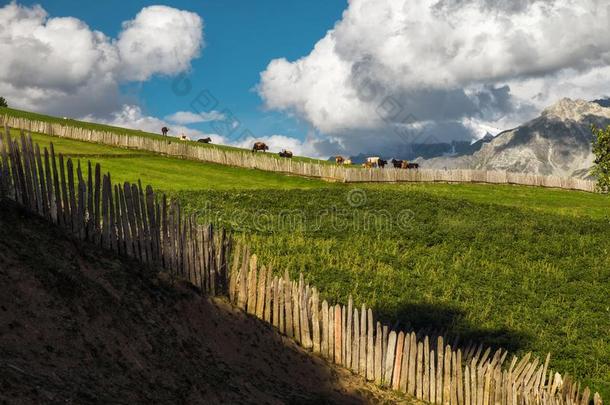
{"x":524,"y":268}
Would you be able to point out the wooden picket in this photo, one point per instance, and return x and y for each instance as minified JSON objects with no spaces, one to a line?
{"x":268,"y":162}
{"x":134,"y":221}
{"x":425,"y":367}
{"x":127,"y":221}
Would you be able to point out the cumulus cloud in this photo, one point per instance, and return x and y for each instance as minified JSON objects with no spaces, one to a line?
{"x":188,"y":117}
{"x":455,"y":67}
{"x":59,"y":65}
{"x":159,"y":40}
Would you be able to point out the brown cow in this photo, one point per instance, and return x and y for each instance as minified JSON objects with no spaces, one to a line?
{"x":407,"y":165}
{"x":339,"y":160}
{"x":260,"y":146}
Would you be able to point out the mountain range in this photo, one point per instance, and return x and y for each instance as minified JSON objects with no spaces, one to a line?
{"x":558,"y":142}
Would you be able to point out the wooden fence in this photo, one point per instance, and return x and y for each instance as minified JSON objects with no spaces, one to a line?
{"x":138,"y":223}
{"x":261,"y":161}
{"x":124,"y":218}
{"x":426,"y":367}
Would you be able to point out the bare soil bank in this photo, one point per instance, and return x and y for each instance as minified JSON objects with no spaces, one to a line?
{"x":81,"y":326}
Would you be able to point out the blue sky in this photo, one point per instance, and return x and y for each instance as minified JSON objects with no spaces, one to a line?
{"x":338,"y":77}
{"x":241,"y":38}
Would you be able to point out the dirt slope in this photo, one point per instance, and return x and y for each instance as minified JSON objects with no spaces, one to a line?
{"x":79,"y":326}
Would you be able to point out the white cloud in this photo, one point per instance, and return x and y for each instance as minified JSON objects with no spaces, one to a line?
{"x":458,"y":66}
{"x":59,"y":65}
{"x":159,"y":40}
{"x":187,"y":117}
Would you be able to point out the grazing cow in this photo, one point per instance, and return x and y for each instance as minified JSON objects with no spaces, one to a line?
{"x":184,"y":137}
{"x":164,"y":131}
{"x":347,"y":162}
{"x":285,"y":153}
{"x":339,"y":160}
{"x":374,"y":160}
{"x":407,"y":165}
{"x":205,"y":140}
{"x":381,"y":163}
{"x":260,"y":146}
{"x":367,"y":165}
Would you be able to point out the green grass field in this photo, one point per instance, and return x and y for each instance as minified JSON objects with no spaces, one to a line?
{"x":523,"y":268}
{"x":170,"y":173}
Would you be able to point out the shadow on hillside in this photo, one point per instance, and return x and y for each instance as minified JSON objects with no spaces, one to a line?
{"x":449,"y":321}
{"x":83,"y":326}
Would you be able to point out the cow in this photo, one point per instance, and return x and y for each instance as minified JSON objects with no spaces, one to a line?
{"x":285,"y":153}
{"x":407,"y":165}
{"x":205,"y":140}
{"x":339,"y":160}
{"x":373,"y":161}
{"x":184,"y":137}
{"x":347,"y":162}
{"x":164,"y":131}
{"x":259,"y":146}
{"x":381,"y":163}
{"x":367,"y":165}
{"x":396,"y":163}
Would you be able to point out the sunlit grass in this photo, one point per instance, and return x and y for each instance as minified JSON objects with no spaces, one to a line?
{"x":524,"y":268}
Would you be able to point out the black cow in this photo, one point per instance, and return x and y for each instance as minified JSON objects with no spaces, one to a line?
{"x":285,"y":153}
{"x":381,"y":163}
{"x":205,"y":140}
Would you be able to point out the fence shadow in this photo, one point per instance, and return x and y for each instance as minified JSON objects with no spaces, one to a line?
{"x":451,"y":322}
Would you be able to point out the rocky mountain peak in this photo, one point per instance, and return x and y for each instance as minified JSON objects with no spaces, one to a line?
{"x":558,"y":142}
{"x":567,"y":109}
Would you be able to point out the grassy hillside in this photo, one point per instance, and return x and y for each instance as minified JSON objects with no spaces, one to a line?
{"x":522,"y":278}
{"x":171,"y":173}
{"x":519,"y":267}
{"x":130,"y":132}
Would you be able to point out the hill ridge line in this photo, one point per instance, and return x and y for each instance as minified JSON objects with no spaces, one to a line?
{"x":246,"y":159}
